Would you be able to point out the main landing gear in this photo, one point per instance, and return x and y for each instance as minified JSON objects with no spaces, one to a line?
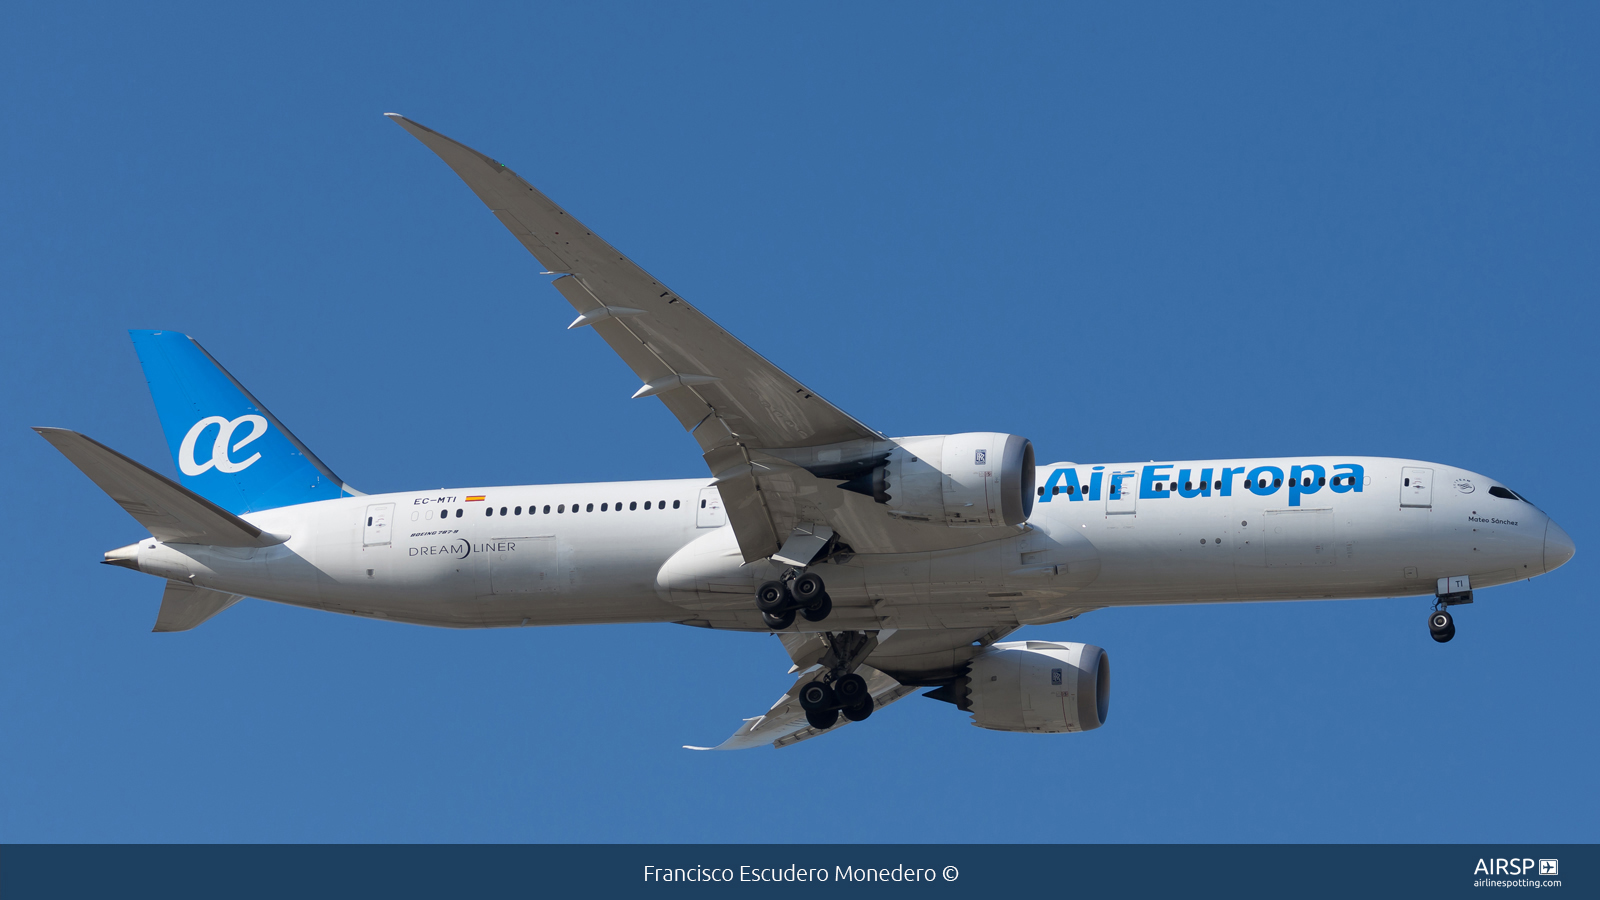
{"x":839,"y":690}
{"x":824,"y":703}
{"x":780,"y":600}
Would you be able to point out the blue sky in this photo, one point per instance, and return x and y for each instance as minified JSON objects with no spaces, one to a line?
{"x":1170,"y":232}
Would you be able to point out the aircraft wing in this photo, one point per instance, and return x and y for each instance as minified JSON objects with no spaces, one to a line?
{"x":735,"y":402}
{"x":785,"y":723}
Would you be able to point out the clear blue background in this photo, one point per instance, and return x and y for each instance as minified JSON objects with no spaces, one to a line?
{"x":1170,"y":232}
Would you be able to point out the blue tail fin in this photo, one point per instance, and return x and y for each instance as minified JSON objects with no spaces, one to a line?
{"x":228,"y":448}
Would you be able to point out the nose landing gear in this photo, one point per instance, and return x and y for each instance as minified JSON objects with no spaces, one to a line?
{"x":1441,"y":625}
{"x":780,"y":600}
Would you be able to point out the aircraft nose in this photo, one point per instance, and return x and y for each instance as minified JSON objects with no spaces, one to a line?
{"x":1557,"y":547}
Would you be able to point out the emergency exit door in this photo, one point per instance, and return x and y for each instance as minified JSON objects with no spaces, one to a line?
{"x":710,"y":513}
{"x":376,"y":532}
{"x":1122,"y":493}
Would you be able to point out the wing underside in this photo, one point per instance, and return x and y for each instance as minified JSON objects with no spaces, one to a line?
{"x":734,"y":402}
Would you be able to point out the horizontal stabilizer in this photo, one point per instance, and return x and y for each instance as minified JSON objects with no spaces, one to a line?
{"x":172,"y":512}
{"x":185,"y":606}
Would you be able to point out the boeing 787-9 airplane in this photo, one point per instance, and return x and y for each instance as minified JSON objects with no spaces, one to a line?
{"x":885,"y":564}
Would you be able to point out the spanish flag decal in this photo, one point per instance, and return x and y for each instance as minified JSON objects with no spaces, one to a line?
{"x":476,"y":497}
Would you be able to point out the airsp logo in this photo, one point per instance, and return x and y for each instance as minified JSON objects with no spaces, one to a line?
{"x":219,"y":449}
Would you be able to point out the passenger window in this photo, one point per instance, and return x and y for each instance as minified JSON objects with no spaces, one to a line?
{"x":460,"y":513}
{"x":1054,"y":491}
{"x":1070,"y":489}
{"x":1321,"y":481}
{"x":676,"y":503}
{"x":589,"y":508}
{"x":1218,"y":485}
{"x":488,"y":510}
{"x":661,"y":504}
{"x":502,"y":510}
{"x":1277,"y":482}
{"x":547,"y":509}
{"x":604,"y":507}
{"x":1188,"y":485}
{"x":562,"y":508}
{"x":518,"y":510}
{"x":369,"y":520}
{"x":633,"y":505}
{"x":647,"y":504}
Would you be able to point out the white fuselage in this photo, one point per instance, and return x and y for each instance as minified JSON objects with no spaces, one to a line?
{"x":598,"y":555}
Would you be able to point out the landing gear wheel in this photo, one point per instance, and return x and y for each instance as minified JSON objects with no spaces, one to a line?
{"x":816,"y":696}
{"x":819,"y":608}
{"x":1441,"y":625}
{"x":772,"y":597}
{"x":822,"y":721}
{"x":851,"y":690}
{"x":859,"y":712}
{"x":807,"y":588}
{"x":778,"y":621}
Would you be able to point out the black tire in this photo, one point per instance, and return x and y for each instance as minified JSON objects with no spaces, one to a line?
{"x":850,"y":690}
{"x":772,"y":597}
{"x":819,"y":608}
{"x":817,"y":696}
{"x":1444,"y":636}
{"x":823,"y":720}
{"x":778,"y":621}
{"x":807,"y":588}
{"x":860,"y":711}
{"x":1440,"y":621}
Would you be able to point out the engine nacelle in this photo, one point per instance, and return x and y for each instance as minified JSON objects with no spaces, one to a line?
{"x":981,"y":478}
{"x":1038,"y":686}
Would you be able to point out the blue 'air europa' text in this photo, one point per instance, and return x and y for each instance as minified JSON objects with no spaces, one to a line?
{"x":1159,"y":481}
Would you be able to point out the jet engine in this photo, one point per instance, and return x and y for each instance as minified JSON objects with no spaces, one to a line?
{"x":1037,"y":686}
{"x":981,"y":478}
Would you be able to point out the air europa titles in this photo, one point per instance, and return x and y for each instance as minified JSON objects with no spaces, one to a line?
{"x":1158,"y":481}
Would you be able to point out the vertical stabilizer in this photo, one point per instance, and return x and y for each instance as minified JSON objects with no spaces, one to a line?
{"x":228,"y":448}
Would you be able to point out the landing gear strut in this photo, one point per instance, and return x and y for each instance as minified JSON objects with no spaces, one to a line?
{"x":780,"y":600}
{"x":840,"y":689}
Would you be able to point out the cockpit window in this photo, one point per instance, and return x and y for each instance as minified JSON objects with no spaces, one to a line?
{"x":1506,"y":494}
